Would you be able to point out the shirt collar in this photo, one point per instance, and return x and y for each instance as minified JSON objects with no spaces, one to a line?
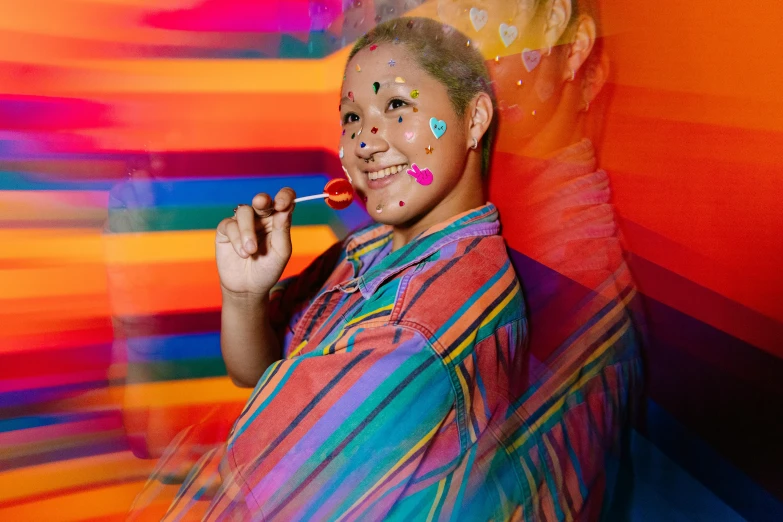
{"x":479,"y":222}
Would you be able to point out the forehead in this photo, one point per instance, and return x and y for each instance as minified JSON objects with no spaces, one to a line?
{"x":388,"y":60}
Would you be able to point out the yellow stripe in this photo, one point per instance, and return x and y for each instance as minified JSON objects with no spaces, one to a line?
{"x":399,"y":463}
{"x":182,"y":392}
{"x":371,"y":246}
{"x":471,"y":338}
{"x":356,"y":320}
{"x":438,"y":494}
{"x":557,"y":495}
{"x":297,"y":349}
{"x":466,"y":394}
{"x":556,"y":406}
{"x":197,"y":245}
{"x":52,"y":477}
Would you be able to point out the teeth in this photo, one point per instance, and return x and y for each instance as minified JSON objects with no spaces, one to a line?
{"x":386,"y":172}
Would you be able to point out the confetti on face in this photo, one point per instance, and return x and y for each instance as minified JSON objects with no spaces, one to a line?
{"x":342,"y":152}
{"x":423,"y":177}
{"x":519,"y":83}
{"x":409,"y":136}
{"x":362,"y":144}
{"x":400,"y":120}
{"x":429,"y":149}
{"x":402,"y":203}
{"x":415,"y":109}
{"x":353,"y":135}
{"x":530,"y":59}
{"x":376,"y":86}
{"x":343,"y":132}
{"x":350,"y":95}
{"x":392,"y":63}
{"x":438,"y":127}
{"x":379,"y":209}
{"x":360,"y":132}
{"x":478,"y":17}
{"x":415,"y":93}
{"x":374,"y":130}
{"x":508,"y":33}
{"x":358,"y":68}
{"x":373,"y":47}
{"x":399,"y":79}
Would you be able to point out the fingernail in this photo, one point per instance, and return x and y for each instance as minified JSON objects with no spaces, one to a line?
{"x":249,"y":245}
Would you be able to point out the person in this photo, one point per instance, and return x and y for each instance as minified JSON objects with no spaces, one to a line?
{"x":382,"y":372}
{"x":584,"y":375}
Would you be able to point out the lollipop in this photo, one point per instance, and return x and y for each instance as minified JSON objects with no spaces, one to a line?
{"x":338,"y":193}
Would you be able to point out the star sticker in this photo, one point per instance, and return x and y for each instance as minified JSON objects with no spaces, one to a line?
{"x":392,"y":63}
{"x":429,"y":149}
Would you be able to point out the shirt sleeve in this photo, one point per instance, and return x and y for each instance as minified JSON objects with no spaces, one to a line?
{"x":290,"y":296}
{"x":344,"y":432}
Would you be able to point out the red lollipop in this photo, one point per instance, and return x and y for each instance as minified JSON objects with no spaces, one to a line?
{"x":338,"y":193}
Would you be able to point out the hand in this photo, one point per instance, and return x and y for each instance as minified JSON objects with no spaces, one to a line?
{"x":252,"y":248}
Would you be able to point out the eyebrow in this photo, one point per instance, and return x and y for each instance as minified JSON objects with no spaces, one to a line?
{"x":384,"y":84}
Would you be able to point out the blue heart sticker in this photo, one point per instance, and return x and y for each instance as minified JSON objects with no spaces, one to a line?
{"x":438,"y":127}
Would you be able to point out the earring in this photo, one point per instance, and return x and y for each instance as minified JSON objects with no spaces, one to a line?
{"x":475,"y":143}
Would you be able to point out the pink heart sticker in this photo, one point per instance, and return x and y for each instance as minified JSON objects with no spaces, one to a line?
{"x":409,"y":136}
{"x":530,"y":59}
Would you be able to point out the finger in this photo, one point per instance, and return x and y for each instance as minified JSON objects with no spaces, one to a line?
{"x":246,"y":223}
{"x":284,"y":200}
{"x":263,"y":204}
{"x":281,"y":222}
{"x":228,"y":232}
{"x":222,"y":235}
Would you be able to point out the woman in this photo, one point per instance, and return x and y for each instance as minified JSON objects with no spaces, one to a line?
{"x":380,"y":371}
{"x":583,"y":375}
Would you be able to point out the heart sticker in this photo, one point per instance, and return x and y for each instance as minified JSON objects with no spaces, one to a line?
{"x":478,"y":17}
{"x":530,"y":59}
{"x":508,"y":33}
{"x":438,"y":127}
{"x":409,"y":136}
{"x":423,"y":177}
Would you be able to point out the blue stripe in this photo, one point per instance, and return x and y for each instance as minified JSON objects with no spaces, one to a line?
{"x":174,"y":347}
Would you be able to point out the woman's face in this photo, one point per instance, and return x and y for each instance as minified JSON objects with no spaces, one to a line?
{"x":403,"y":145}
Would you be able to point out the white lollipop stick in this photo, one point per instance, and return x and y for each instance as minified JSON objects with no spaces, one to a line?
{"x":308,"y":198}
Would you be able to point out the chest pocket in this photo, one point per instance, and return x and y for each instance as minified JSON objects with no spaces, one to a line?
{"x":321,"y":320}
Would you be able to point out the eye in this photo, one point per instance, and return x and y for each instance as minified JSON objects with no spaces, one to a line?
{"x":351,"y":117}
{"x":397,"y":103}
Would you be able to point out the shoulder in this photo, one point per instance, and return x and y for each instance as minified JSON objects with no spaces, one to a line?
{"x":466,"y":291}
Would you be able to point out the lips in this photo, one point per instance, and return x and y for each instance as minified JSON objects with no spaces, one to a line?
{"x":386,"y":172}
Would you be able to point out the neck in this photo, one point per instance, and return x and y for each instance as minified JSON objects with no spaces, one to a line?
{"x":467,"y":195}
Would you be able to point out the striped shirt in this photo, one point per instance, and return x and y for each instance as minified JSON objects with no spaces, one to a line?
{"x":406,"y":392}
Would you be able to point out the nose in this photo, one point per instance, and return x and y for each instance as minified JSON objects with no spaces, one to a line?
{"x":374,"y":142}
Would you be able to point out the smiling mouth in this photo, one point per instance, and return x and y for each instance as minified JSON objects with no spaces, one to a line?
{"x":388,"y":171}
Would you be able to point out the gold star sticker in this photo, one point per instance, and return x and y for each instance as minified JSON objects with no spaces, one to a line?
{"x":429,"y":149}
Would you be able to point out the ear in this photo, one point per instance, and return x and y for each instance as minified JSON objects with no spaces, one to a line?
{"x":556,"y":22}
{"x":582,"y":45}
{"x":596,"y":73}
{"x":481,"y":116}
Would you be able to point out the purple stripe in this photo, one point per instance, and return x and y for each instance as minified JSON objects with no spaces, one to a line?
{"x":331,"y":421}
